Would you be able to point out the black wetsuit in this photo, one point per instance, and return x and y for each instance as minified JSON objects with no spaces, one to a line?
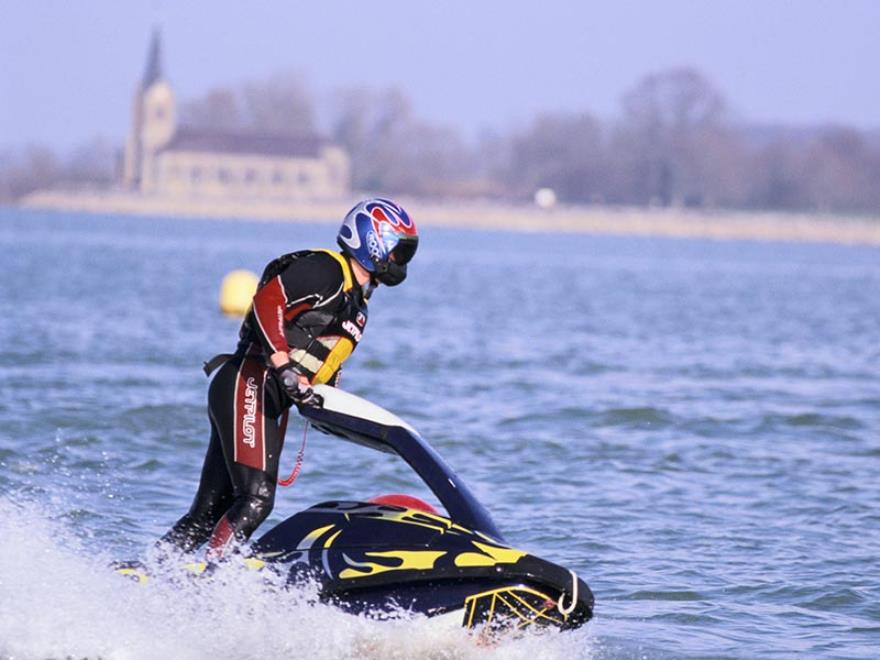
{"x":308,"y":305}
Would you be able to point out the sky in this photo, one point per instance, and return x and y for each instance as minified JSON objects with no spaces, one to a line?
{"x":68,"y":69}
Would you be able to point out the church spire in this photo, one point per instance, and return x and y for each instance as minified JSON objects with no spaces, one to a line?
{"x":153,"y":72}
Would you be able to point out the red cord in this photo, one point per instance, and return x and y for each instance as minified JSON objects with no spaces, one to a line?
{"x":299,"y":459}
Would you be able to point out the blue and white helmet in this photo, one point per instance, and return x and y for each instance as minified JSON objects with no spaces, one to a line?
{"x":381,"y":237}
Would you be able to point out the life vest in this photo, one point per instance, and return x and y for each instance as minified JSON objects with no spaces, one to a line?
{"x":323,"y":337}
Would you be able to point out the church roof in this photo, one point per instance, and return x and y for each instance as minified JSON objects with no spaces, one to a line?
{"x":153,"y":72}
{"x":260,"y":144}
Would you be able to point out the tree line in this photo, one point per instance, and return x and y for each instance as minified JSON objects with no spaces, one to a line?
{"x":676,"y":142}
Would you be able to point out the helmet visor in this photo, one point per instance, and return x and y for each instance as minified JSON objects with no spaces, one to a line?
{"x":405,"y":249}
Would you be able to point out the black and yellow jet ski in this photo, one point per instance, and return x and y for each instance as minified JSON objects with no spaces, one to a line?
{"x":397,"y":552}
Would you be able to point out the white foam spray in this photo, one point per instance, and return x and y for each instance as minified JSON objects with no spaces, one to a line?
{"x":60,"y":600}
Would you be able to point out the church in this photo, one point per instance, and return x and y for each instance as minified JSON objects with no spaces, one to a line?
{"x":165,"y":159}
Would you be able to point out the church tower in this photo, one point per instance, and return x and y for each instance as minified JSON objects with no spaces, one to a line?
{"x":153,"y":123}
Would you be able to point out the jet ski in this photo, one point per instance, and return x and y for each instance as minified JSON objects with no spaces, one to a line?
{"x":398,"y":553}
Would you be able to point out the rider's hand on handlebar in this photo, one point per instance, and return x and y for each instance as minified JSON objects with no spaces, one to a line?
{"x":295,"y":384}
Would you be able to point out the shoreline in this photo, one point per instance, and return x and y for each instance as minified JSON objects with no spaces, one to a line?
{"x":670,"y":223}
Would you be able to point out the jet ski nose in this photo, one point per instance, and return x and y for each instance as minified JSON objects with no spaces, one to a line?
{"x":565,"y":610}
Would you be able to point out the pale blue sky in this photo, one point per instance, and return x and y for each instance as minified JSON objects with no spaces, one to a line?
{"x":68,"y":69}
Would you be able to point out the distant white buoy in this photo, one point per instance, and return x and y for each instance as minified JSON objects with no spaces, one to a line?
{"x":237,"y":291}
{"x":545,"y":198}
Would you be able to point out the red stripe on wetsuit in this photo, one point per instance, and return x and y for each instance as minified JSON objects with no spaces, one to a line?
{"x":269,"y":305}
{"x":250,"y":441}
{"x":220,"y":538}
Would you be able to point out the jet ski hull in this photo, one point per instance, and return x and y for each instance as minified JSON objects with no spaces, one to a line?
{"x":378,"y":558}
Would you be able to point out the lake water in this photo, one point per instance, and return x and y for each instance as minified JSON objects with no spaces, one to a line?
{"x":692,"y":426}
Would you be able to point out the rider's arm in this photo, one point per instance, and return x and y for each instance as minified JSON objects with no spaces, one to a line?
{"x":270,"y":303}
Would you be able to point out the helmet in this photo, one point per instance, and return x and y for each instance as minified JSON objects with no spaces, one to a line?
{"x":381,"y":237}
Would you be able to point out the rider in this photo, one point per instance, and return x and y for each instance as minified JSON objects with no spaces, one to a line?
{"x":307,"y":317}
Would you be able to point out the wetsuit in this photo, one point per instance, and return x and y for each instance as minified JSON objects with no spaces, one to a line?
{"x":308,"y":305}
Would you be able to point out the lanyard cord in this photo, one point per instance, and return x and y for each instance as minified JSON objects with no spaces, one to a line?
{"x":299,"y":458}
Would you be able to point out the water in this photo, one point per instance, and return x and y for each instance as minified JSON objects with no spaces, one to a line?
{"x":692,"y":426}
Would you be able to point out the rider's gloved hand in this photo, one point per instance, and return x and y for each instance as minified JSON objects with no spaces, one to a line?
{"x":295,"y":384}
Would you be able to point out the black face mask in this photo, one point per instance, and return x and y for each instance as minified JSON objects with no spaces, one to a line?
{"x":390,"y":273}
